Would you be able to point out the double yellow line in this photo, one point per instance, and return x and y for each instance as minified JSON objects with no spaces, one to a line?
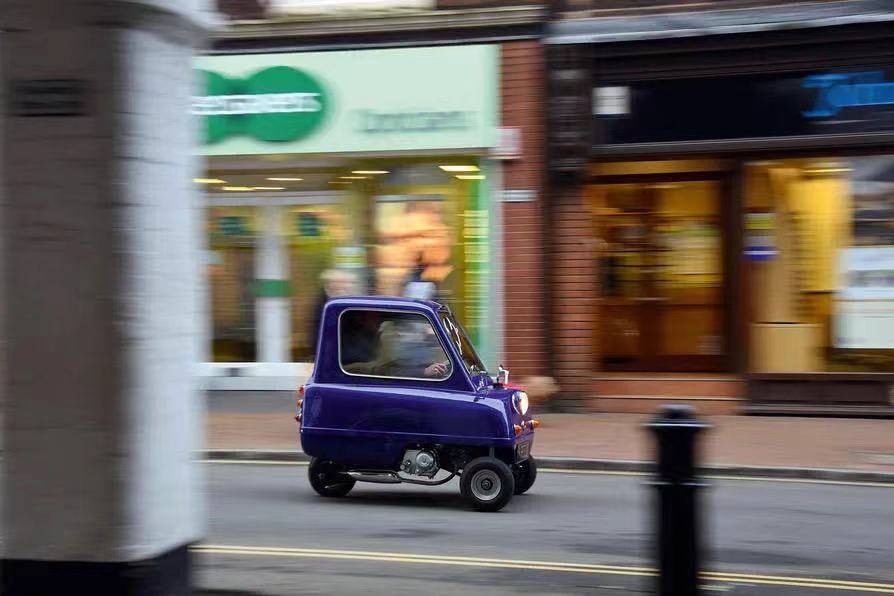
{"x":388,"y":557}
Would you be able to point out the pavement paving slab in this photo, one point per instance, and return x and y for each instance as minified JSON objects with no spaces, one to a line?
{"x":265,"y":421}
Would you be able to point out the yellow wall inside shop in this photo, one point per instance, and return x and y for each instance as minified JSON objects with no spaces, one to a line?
{"x":792,"y":293}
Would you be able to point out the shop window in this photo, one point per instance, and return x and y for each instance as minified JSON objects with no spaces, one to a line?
{"x":819,"y":247}
{"x":414,"y":244}
{"x":662,"y":275}
{"x":314,"y":234}
{"x":398,"y":227}
{"x":231,"y":240}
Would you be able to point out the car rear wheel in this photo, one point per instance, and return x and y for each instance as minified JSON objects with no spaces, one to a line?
{"x":487,"y":483}
{"x":328,"y":478}
{"x":525,"y":474}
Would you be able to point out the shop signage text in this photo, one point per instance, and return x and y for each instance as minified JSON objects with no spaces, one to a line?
{"x":273,"y":104}
{"x":849,"y":90}
{"x":266,"y":103}
{"x":372,"y":121}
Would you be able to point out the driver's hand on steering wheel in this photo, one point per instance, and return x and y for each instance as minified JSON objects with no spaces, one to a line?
{"x":438,"y":369}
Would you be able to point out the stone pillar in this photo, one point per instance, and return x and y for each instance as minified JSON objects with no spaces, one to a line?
{"x":102,"y":296}
{"x":272,"y":282}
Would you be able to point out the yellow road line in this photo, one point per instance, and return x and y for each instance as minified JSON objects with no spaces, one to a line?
{"x":418,"y":559}
{"x":391,"y":557}
{"x":749,"y":576}
{"x":270,"y":462}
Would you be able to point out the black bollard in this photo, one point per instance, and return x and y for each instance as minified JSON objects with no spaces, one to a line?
{"x":676,"y":517}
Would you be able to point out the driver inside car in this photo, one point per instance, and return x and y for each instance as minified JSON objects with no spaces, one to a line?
{"x":406,"y":348}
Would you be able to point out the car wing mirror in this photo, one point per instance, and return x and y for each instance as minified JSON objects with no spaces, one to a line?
{"x":502,"y":376}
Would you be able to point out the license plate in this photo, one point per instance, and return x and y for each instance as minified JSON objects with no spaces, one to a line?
{"x":522,"y":451}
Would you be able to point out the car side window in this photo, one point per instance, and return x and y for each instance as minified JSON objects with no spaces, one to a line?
{"x":390,"y":344}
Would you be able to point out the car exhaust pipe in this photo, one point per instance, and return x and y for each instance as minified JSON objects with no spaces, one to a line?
{"x":377,"y":477}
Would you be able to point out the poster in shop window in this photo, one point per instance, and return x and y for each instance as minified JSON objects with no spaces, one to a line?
{"x":865,"y":305}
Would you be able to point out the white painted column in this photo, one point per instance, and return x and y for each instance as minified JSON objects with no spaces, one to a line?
{"x":102,"y":296}
{"x":272,"y":279}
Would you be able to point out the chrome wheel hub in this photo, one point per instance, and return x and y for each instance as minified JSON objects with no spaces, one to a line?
{"x":486,"y":485}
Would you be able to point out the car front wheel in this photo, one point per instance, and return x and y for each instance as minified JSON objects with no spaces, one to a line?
{"x":487,"y":483}
{"x":328,"y":478}
{"x":525,"y":475}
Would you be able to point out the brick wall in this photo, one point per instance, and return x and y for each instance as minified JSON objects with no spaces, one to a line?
{"x":573,"y":287}
{"x":523,"y":100}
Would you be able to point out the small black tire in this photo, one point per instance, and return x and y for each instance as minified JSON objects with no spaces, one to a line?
{"x":328,"y":478}
{"x":525,"y":475}
{"x":487,"y":483}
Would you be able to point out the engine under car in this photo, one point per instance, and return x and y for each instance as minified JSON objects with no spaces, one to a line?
{"x":420,"y":462}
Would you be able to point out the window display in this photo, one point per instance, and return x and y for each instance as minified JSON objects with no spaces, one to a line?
{"x":232,"y":233}
{"x":824,"y":299}
{"x":410,"y":227}
{"x":662,"y":275}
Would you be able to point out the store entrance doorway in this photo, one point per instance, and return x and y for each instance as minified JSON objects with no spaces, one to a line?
{"x":663,"y":273}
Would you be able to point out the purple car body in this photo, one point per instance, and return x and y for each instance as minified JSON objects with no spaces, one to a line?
{"x":367,"y":422}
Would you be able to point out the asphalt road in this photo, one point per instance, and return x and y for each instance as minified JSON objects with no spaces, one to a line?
{"x":804,"y":534}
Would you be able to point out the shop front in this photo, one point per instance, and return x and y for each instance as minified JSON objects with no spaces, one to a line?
{"x":343,"y":172}
{"x":742,"y":218}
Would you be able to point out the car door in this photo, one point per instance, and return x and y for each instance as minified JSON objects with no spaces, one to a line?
{"x":391,"y":398}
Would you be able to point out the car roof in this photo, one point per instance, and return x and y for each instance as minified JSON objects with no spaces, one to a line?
{"x":385,"y":302}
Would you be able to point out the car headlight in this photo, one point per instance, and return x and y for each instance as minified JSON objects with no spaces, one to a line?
{"x":520,"y":401}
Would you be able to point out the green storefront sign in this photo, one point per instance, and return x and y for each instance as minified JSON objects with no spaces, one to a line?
{"x":353,"y":101}
{"x":276,"y":104}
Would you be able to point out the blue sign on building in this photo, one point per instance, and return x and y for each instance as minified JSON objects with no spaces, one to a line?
{"x":837,"y":91}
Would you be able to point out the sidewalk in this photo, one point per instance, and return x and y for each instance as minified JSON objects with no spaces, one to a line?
{"x":854,"y":444}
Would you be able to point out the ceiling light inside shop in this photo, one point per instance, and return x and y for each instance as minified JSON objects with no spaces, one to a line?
{"x":470,"y":177}
{"x":353,"y":177}
{"x":822,"y":171}
{"x":238,"y":188}
{"x":209,"y":181}
{"x":284,"y":179}
{"x":339,"y":182}
{"x":270,"y":187}
{"x":370,"y":172}
{"x":459,"y":168}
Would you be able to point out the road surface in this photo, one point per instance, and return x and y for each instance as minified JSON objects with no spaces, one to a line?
{"x":574,"y":533}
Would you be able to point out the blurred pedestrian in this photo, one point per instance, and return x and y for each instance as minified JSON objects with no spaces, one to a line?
{"x":416,"y":285}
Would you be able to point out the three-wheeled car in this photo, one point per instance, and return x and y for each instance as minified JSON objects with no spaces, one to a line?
{"x":398,"y":394}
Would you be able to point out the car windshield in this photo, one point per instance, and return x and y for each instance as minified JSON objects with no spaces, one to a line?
{"x":463,"y":345}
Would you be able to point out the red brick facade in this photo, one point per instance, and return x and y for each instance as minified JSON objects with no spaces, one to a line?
{"x":523,"y":100}
{"x":573,"y":287}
